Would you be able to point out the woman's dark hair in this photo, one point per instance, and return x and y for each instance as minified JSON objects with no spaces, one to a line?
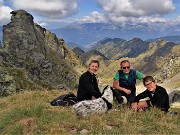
{"x":148,"y":78}
{"x":94,"y":61}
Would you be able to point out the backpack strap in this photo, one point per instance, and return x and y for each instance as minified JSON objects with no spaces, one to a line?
{"x":109,"y":105}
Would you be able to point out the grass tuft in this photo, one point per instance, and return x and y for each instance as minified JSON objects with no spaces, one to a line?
{"x":31,"y":113}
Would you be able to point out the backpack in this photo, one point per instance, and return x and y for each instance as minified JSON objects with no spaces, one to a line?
{"x":64,"y":100}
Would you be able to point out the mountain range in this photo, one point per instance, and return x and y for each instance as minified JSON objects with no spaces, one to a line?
{"x":89,"y":33}
{"x":118,"y":48}
{"x":160,"y":58}
{"x":175,"y":39}
{"x":35,"y":58}
{"x":84,"y":35}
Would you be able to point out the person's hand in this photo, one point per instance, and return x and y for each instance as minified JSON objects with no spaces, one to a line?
{"x":134,"y":106}
{"x":127,"y":91}
{"x":93,"y":98}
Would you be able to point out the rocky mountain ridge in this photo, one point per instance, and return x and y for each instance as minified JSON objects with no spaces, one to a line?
{"x":34,"y":58}
{"x":78,"y":51}
{"x":118,"y":48}
{"x":86,"y":57}
{"x":174,"y":39}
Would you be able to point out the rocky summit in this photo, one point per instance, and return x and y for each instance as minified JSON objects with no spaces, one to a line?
{"x":34,"y":58}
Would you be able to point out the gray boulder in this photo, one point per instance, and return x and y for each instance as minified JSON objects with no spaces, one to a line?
{"x":174,"y":96}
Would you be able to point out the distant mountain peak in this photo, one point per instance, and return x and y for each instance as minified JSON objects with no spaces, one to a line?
{"x":175,"y":39}
{"x":136,"y":39}
{"x":78,"y":51}
{"x":113,"y":40}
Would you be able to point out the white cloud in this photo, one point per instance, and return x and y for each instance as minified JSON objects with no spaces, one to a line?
{"x":4,"y":13}
{"x":54,"y":9}
{"x":95,"y":17}
{"x":119,"y":10}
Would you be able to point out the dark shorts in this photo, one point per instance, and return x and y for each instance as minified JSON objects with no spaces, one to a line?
{"x":118,"y":94}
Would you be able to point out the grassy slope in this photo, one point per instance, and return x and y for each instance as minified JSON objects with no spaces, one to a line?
{"x":31,"y":113}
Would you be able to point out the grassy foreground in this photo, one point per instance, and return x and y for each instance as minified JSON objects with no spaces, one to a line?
{"x":30,"y":113}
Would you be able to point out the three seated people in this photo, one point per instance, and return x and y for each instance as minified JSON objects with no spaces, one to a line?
{"x":124,"y":85}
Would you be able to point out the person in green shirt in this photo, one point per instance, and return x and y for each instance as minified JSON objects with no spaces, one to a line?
{"x":125,"y":82}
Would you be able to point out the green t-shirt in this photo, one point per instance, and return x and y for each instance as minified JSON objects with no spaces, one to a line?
{"x":139,"y":76}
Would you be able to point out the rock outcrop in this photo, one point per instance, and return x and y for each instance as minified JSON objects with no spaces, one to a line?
{"x":171,"y":67}
{"x":34,"y":58}
{"x":174,"y":96}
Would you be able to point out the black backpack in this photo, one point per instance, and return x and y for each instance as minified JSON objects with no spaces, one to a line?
{"x":64,"y":100}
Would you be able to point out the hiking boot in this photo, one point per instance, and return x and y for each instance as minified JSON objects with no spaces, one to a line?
{"x":172,"y":113}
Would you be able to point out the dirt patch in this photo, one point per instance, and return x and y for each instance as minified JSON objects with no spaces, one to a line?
{"x":29,"y":124}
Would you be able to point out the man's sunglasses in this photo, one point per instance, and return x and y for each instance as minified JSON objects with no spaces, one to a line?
{"x":125,"y":67}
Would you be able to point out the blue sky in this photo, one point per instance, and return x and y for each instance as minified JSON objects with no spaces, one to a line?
{"x":57,"y":13}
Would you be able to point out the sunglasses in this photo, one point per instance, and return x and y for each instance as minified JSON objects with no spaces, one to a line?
{"x":125,"y":67}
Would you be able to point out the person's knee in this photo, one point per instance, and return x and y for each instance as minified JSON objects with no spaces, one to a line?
{"x":119,"y":99}
{"x":116,"y":92}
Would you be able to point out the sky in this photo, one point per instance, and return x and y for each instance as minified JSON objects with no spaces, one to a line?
{"x":58,"y":13}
